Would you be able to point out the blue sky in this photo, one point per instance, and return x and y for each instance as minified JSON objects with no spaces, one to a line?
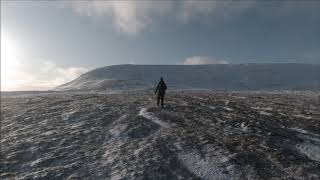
{"x":49,"y":43}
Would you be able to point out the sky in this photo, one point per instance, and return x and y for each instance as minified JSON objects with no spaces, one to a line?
{"x":45,"y":44}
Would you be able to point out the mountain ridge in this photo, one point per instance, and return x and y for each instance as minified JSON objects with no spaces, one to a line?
{"x":250,"y":76}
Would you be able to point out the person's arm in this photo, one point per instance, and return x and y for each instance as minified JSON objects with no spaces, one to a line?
{"x":165,"y":86}
{"x":155,"y":92}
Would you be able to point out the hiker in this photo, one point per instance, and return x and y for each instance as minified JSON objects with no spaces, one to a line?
{"x":161,"y":90}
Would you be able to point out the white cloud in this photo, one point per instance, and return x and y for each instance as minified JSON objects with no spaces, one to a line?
{"x":36,"y":75}
{"x":130,"y":17}
{"x":199,"y":60}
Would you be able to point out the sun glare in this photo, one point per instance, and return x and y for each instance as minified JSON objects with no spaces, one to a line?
{"x":9,"y":62}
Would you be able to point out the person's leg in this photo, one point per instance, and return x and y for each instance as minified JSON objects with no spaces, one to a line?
{"x":162,"y":99}
{"x":158,"y":99}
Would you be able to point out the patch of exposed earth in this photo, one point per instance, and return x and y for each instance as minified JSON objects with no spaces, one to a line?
{"x":198,"y":135}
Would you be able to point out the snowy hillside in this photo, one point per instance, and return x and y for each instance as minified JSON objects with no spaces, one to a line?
{"x":214,"y":77}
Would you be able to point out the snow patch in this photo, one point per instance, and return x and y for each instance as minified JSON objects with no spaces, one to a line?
{"x":300,"y":130}
{"x":204,"y":168}
{"x":244,"y":127}
{"x":118,"y":128}
{"x":178,"y":146}
{"x":138,"y":151}
{"x":310,"y":150}
{"x":311,"y":145}
{"x":148,"y":115}
{"x":307,"y":135}
{"x":267,"y":108}
{"x":302,"y":116}
{"x":239,"y":97}
{"x":255,"y":107}
{"x":228,"y":109}
{"x":66,"y":116}
{"x":48,"y":133}
{"x":200,"y":98}
{"x":77,"y":125}
{"x":265,"y":113}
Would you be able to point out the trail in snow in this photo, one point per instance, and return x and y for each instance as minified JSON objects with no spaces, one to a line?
{"x":310,"y":150}
{"x":204,"y":168}
{"x":311,"y":145}
{"x":149,"y":115}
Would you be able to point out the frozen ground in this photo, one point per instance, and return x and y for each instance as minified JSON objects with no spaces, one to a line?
{"x":203,"y":135}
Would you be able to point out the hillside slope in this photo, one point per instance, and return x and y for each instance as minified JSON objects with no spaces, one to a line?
{"x":198,"y":135}
{"x":214,"y":77}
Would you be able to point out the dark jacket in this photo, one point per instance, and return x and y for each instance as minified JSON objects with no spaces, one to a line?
{"x":161,"y":88}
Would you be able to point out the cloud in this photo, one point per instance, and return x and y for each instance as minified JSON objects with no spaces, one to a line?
{"x":199,"y":60}
{"x":36,"y":75}
{"x":133,"y":17}
{"x":130,"y":17}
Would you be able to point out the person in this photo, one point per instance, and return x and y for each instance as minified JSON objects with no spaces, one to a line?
{"x":161,"y":90}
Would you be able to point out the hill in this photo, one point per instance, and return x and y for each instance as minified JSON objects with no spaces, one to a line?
{"x":282,"y":76}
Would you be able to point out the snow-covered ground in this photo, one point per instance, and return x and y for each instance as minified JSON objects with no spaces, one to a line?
{"x":206,"y":135}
